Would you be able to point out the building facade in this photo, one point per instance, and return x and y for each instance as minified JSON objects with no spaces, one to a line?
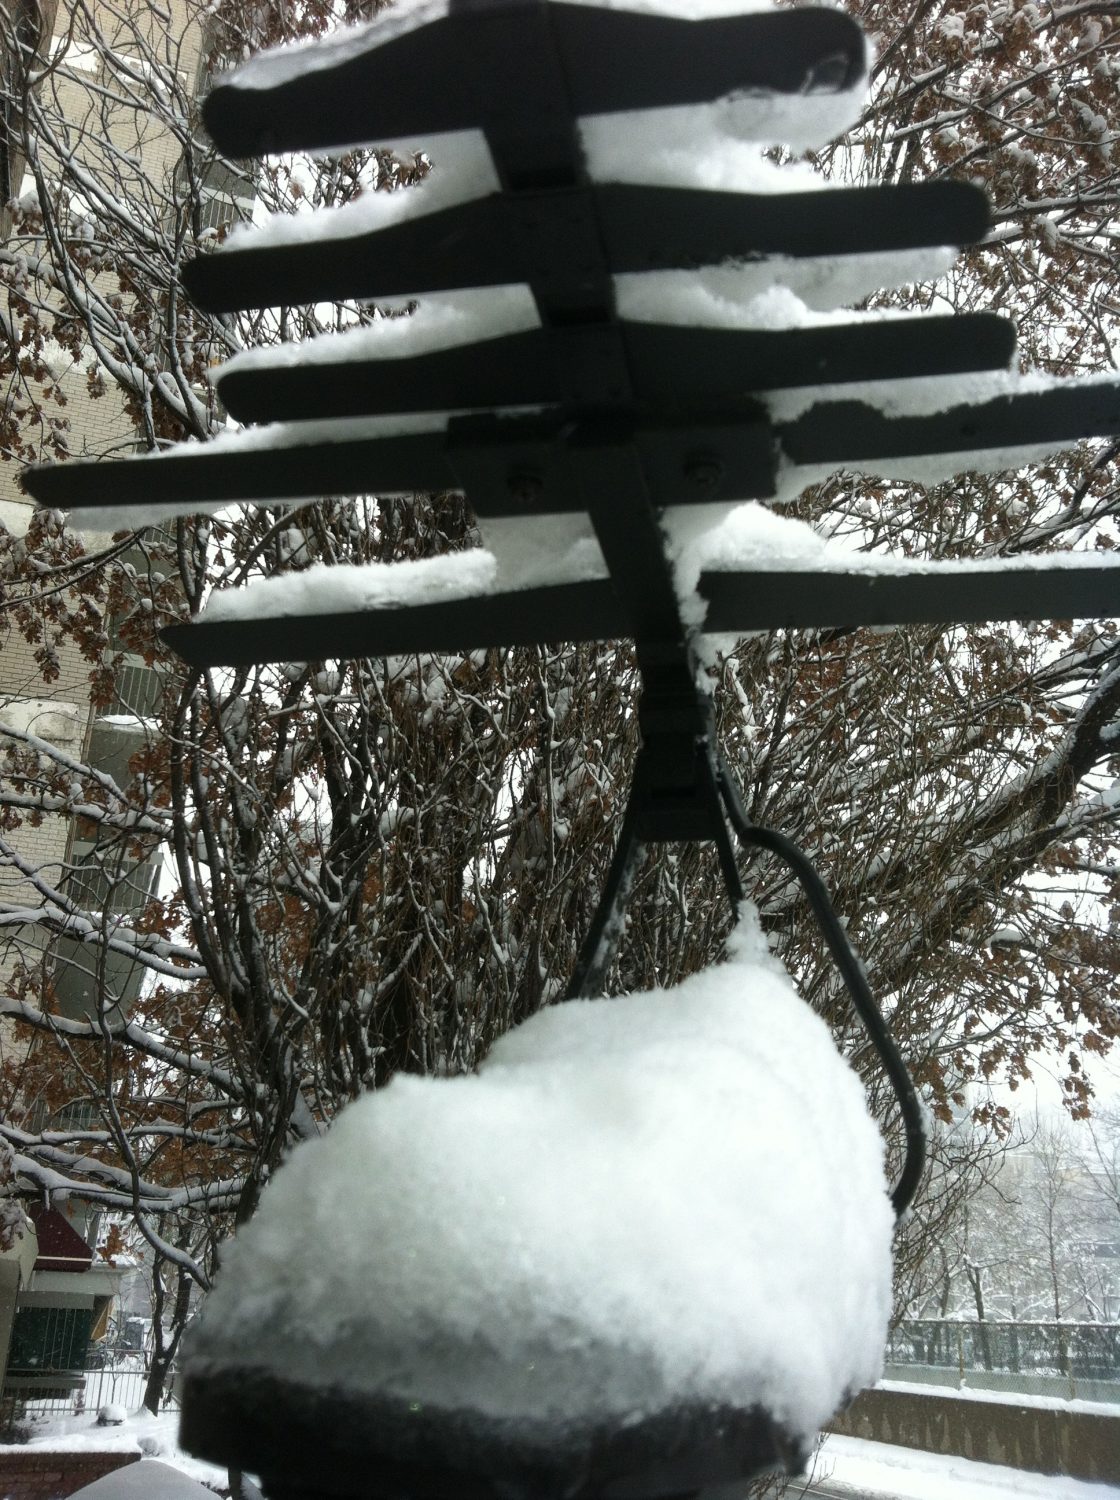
{"x":97,"y":66}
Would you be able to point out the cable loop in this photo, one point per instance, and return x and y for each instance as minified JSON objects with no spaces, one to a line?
{"x":601,"y":942}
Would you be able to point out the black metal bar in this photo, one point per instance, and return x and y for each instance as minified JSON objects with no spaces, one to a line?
{"x":670,"y":228}
{"x":593,"y":611}
{"x":830,"y":432}
{"x":521,"y":466}
{"x":577,"y":366}
{"x":609,"y":474}
{"x":509,"y":466}
{"x":484,"y":242}
{"x":850,"y":432}
{"x":454,"y":247}
{"x":741,"y":601}
{"x":561,"y":612}
{"x":637,"y":64}
{"x":529,"y":123}
{"x":409,"y":81}
{"x":705,"y":364}
{"x":284,"y":470}
{"x":855,"y":982}
{"x":536,"y":367}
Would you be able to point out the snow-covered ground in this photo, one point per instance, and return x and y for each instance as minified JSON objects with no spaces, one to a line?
{"x":853,"y":1467}
{"x":138,"y":1432}
{"x":966,"y":1391}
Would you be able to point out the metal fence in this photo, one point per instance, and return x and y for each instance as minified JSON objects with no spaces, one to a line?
{"x":27,"y":1402}
{"x":1064,"y":1359}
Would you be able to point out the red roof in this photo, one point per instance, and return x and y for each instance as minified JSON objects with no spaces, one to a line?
{"x":61,"y":1247}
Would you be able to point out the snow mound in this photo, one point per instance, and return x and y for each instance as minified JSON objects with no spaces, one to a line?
{"x":555,"y":551}
{"x":146,"y":1480}
{"x":672,"y":1198}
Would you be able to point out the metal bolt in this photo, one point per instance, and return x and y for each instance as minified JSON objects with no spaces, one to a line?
{"x":703,"y":471}
{"x":525,"y":485}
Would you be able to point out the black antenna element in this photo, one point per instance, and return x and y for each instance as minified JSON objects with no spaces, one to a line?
{"x":633,"y":417}
{"x":483,"y":242}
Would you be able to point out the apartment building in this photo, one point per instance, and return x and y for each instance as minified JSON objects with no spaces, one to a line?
{"x":98,"y":66}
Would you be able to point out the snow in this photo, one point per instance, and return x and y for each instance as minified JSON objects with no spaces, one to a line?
{"x":671,"y":1197}
{"x":925,"y":469}
{"x":325,"y":589}
{"x":952,"y":26}
{"x":711,"y":145}
{"x":557,"y":549}
{"x":530,"y":558}
{"x":147,"y":1480}
{"x":468,"y":317}
{"x":299,"y":434}
{"x":546,"y":550}
{"x":726,"y":134}
{"x":294,"y":59}
{"x":686,"y":10}
{"x":863,"y":1469}
{"x":141,"y":1432}
{"x":88,"y":1439}
{"x":624,"y":146}
{"x":1004,"y":1398}
{"x":753,"y":538}
{"x":463,"y":169}
{"x":721,"y":301}
{"x":932,"y":468}
{"x":819,"y":282}
{"x":928,"y":395}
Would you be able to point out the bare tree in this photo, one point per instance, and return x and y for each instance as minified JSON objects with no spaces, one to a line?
{"x":381,"y":865}
{"x":1105,"y":1160}
{"x":1032,"y":1239}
